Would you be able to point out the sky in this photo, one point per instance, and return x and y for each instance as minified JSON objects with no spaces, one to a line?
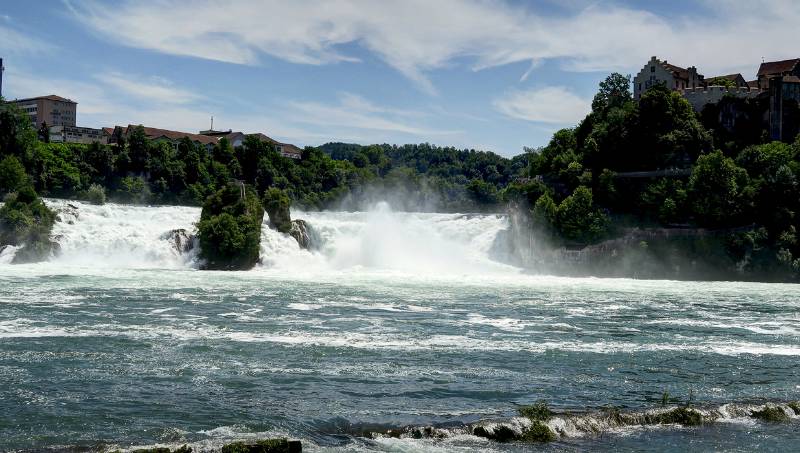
{"x":492,"y":75}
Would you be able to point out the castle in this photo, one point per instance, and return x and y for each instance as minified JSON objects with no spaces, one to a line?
{"x":777,"y":84}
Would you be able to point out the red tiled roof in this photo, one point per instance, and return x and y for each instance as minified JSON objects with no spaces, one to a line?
{"x":791,"y":79}
{"x":285,"y":147}
{"x":49,"y":97}
{"x":777,"y":67}
{"x":733,"y":77}
{"x":679,"y":71}
{"x":155,"y":133}
{"x":108,"y":130}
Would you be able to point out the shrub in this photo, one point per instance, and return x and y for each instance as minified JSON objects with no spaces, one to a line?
{"x":95,"y":194}
{"x":26,"y":220}
{"x":538,"y":411}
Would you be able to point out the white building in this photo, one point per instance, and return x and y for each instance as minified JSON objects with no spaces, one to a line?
{"x":657,"y":72}
{"x":72,"y":134}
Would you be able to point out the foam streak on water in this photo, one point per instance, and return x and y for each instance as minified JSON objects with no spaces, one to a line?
{"x":397,"y":320}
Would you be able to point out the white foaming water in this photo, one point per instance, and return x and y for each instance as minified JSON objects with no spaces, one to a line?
{"x":386,"y":241}
{"x":120,"y":236}
{"x":379,"y":241}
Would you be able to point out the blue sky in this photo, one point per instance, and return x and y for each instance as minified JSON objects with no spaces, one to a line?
{"x":495,"y":75}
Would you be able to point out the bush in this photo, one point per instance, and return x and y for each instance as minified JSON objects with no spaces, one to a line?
{"x":26,"y":220}
{"x":96,"y":194}
{"x":230,"y":229}
{"x":538,"y":411}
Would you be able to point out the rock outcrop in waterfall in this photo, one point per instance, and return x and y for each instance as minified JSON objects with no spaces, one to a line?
{"x":229,"y":230}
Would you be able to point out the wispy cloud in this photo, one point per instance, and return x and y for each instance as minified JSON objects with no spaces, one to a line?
{"x":417,"y":36}
{"x":551,"y":105}
{"x":154,"y":89}
{"x":355,"y":112}
{"x":16,"y":42}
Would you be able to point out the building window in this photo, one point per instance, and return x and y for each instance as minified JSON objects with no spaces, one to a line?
{"x":652,"y":69}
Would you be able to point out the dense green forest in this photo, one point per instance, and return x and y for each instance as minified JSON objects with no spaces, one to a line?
{"x":658,"y":163}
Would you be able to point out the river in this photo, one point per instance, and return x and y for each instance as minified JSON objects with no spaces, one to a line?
{"x":396,"y":320}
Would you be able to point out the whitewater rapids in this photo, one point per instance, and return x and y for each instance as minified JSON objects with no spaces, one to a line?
{"x":396,"y":320}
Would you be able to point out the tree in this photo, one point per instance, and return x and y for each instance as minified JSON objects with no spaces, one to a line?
{"x":615,"y":91}
{"x":722,"y":81}
{"x":138,"y":149}
{"x":277,"y":203}
{"x":544,"y":215}
{"x":668,"y":132}
{"x":577,"y":218}
{"x":17,"y":135}
{"x":44,"y":133}
{"x":12,"y":175}
{"x":715,"y":189}
{"x":482,"y":192}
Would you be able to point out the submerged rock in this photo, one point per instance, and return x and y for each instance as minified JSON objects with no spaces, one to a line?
{"x":180,"y":239}
{"x":183,"y":449}
{"x":264,"y":446}
{"x":772,"y":414}
{"x":304,"y":234}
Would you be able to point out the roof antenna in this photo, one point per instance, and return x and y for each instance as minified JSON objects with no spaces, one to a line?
{"x":212,"y":123}
{"x":762,"y":59}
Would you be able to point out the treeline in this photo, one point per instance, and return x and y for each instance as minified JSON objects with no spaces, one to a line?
{"x":657,"y":163}
{"x":332,"y":176}
{"x":431,"y":177}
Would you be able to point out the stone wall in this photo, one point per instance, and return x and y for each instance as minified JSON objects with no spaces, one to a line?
{"x":700,"y":97}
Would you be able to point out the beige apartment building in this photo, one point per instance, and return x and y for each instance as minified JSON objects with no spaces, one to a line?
{"x":53,"y":110}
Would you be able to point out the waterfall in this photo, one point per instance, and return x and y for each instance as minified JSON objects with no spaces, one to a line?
{"x":378,"y":240}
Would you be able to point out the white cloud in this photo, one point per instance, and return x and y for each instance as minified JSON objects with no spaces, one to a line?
{"x":15,"y":42}
{"x":153,"y":89}
{"x":355,"y":112}
{"x":552,"y":105}
{"x":351,"y":117}
{"x":417,"y":36}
